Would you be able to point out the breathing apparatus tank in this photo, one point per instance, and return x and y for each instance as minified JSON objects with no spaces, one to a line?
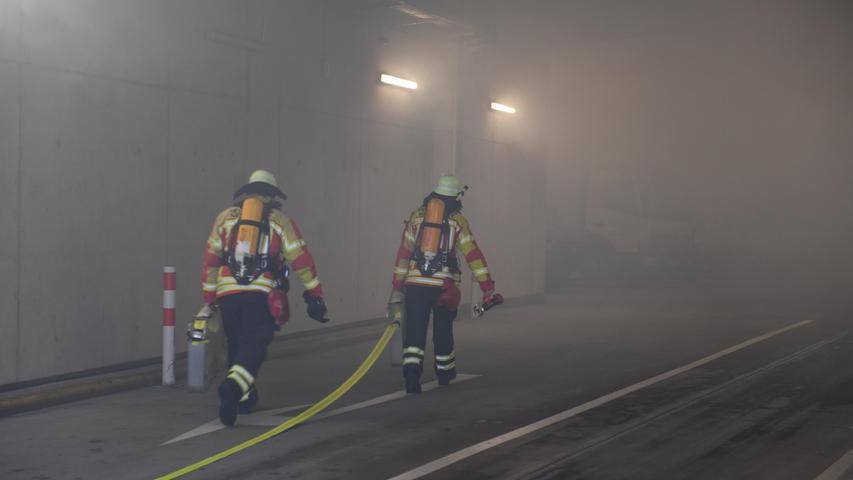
{"x":249,"y":256}
{"x":249,"y":232}
{"x":432,"y":228}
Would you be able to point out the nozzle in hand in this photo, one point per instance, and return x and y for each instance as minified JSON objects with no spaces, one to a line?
{"x":493,"y":301}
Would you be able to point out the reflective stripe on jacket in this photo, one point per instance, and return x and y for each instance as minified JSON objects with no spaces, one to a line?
{"x":460,"y":239}
{"x":286,"y":245}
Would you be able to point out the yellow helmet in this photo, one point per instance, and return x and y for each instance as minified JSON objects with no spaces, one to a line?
{"x":449,"y":186}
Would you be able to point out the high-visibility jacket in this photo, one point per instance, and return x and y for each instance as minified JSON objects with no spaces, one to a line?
{"x":286,"y":246}
{"x":460,"y":239}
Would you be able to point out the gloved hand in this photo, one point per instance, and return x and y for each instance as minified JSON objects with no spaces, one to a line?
{"x":206,"y":311}
{"x":396,"y":308}
{"x":316,"y":307}
{"x":487,"y":296}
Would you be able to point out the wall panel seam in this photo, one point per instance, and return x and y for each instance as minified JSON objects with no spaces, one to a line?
{"x":19,"y":232}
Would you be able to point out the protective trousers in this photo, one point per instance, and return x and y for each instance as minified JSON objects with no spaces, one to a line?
{"x":420,"y":302}
{"x":249,"y":328}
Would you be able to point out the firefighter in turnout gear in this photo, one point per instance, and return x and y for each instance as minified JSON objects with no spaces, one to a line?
{"x":427,"y":278}
{"x":250,"y":252}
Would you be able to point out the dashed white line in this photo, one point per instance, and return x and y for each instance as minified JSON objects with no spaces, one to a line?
{"x":271,"y":418}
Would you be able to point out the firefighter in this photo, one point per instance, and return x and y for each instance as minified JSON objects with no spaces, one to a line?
{"x":427,"y":278}
{"x":250,"y":252}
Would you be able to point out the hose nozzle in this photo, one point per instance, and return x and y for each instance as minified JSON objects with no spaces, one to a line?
{"x":480,"y":309}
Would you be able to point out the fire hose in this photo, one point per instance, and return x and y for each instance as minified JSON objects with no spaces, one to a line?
{"x":302,"y":417}
{"x":318,"y":407}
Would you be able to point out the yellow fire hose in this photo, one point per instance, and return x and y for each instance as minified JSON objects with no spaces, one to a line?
{"x":305,"y":415}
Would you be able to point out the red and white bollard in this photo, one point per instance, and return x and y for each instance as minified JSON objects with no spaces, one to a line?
{"x":169,"y":282}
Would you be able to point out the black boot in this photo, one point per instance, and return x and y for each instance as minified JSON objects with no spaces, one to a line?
{"x":245,"y":407}
{"x":444,"y":378}
{"x":229,"y":396}
{"x":413,"y":383}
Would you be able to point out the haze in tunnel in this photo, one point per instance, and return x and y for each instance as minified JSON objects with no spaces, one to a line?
{"x":728,"y":123}
{"x":653,"y":142}
{"x":663,"y":190}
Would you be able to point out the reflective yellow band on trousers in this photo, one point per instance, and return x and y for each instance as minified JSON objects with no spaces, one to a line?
{"x":445,"y":358}
{"x":413,"y":350}
{"x":242,"y":377}
{"x":305,"y":415}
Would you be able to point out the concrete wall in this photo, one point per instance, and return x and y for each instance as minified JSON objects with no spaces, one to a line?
{"x":9,"y":216}
{"x":125,"y":126}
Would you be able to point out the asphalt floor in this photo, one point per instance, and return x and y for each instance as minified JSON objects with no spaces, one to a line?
{"x":781,"y":407}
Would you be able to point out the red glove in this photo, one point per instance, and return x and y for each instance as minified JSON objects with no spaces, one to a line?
{"x":488,"y":288}
{"x":210,"y":298}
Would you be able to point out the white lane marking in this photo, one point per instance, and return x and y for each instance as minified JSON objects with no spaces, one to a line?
{"x":837,"y":469}
{"x":472,"y":450}
{"x":392,"y":396}
{"x":675,"y":407}
{"x":271,"y":418}
{"x":216,"y":425}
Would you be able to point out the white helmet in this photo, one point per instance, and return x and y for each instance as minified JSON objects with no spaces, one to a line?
{"x":449,"y":186}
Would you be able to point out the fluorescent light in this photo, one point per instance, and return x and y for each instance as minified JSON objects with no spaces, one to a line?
{"x":397,"y":81}
{"x":502,"y":108}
